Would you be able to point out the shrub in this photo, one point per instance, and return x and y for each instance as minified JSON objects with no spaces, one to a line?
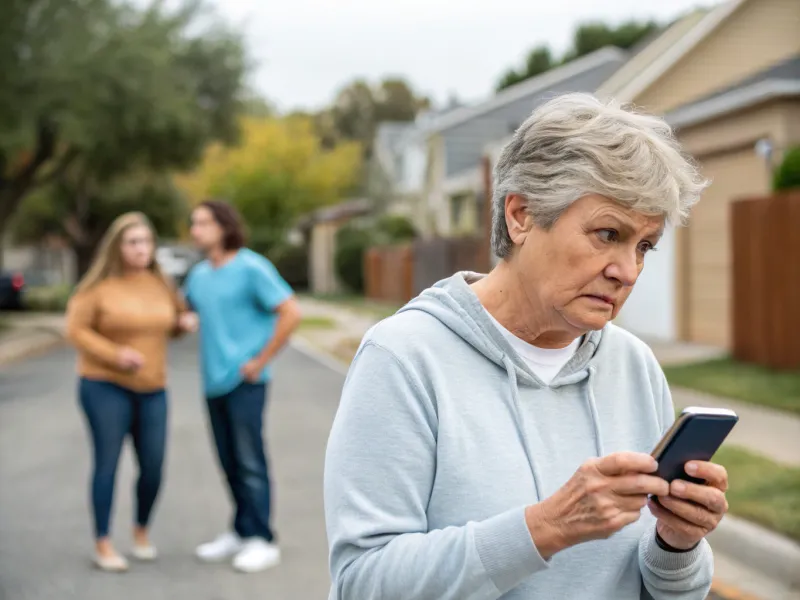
{"x":352,"y":242}
{"x":292,"y":263}
{"x":395,"y":228}
{"x":788,"y":174}
{"x":51,"y":298}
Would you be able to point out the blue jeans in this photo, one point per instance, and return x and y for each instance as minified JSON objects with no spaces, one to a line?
{"x":112,"y":413}
{"x":237,"y":422}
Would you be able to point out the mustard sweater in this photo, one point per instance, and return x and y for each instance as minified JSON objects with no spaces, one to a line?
{"x":139,"y":311}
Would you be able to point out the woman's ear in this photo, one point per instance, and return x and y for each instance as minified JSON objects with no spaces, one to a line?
{"x":518,"y":221}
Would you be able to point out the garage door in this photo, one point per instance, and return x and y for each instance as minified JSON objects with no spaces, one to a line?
{"x":708,"y":258}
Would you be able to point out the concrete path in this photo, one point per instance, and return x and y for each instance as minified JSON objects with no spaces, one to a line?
{"x":45,"y":538}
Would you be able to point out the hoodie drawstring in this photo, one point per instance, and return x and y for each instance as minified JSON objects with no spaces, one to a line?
{"x":598,"y":440}
{"x":523,"y":433}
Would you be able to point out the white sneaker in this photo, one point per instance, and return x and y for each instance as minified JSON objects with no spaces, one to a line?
{"x":220,"y":549}
{"x":257,"y":555}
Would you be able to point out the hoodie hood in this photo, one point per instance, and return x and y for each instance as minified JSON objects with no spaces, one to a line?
{"x":453,"y":303}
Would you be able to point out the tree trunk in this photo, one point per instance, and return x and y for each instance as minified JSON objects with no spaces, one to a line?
{"x":83,"y":258}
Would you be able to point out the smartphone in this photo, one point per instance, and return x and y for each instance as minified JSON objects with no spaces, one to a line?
{"x":696,"y":435}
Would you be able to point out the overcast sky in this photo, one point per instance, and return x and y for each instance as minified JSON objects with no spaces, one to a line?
{"x":307,"y":49}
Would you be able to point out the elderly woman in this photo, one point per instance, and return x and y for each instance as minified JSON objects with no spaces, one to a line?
{"x":493,"y":437}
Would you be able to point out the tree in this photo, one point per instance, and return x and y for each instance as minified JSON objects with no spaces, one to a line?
{"x":96,"y":89}
{"x":587,"y":38}
{"x":80,"y":213}
{"x":539,"y":60}
{"x":360,"y":107}
{"x":593,"y":36}
{"x":279,"y":171}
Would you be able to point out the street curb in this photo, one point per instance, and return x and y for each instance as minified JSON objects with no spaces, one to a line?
{"x":303,"y":346}
{"x":32,"y":343}
{"x":766,"y":551}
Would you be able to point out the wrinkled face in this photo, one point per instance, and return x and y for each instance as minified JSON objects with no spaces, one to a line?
{"x":583,"y":268}
{"x":137,"y":247}
{"x":205,"y":231}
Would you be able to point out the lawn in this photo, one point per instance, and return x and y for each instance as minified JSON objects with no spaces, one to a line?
{"x":749,"y":383}
{"x":317,"y":322}
{"x":379,"y":310}
{"x":762,"y":491}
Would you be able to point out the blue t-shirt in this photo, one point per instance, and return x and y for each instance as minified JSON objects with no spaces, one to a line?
{"x":236,"y":305}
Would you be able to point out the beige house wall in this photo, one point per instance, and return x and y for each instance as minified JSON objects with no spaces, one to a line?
{"x":758,"y":34}
{"x":725,"y":150}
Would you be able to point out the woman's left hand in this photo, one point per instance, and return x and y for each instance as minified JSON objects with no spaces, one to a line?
{"x":692,"y":511}
{"x":189,"y":322}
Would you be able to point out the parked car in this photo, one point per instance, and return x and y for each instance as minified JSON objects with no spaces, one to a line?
{"x":12,"y":289}
{"x":176,"y":261}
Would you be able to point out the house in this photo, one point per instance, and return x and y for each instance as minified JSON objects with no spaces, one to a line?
{"x":454,"y":185}
{"x":397,"y":168}
{"x":320,"y":229}
{"x":724,"y":78}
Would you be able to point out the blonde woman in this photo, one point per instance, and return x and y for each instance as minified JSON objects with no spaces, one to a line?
{"x":120,"y":319}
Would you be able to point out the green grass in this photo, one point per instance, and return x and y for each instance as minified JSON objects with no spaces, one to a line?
{"x":749,"y":383}
{"x":47,"y":298}
{"x":378,"y":310}
{"x":314,"y":322}
{"x":761,"y":490}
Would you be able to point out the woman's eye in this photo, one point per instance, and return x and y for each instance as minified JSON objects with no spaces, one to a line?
{"x":608,"y":235}
{"x":646,"y":247}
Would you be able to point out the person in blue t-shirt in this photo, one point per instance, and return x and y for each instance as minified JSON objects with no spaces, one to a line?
{"x":247,"y":312}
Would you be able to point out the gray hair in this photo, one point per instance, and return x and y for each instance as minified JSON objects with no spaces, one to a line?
{"x":575,"y":145}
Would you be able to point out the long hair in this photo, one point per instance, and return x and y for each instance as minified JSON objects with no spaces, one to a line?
{"x":108,"y":260}
{"x":229,"y":219}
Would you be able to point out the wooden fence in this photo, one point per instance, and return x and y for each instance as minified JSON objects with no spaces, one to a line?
{"x":389,"y":274}
{"x":398,"y":273}
{"x":766,"y":280}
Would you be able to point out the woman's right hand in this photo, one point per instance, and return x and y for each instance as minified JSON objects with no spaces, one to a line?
{"x":129,"y":359}
{"x":603,"y":496}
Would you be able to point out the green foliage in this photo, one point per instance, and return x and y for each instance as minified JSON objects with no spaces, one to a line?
{"x":292,"y":263}
{"x":593,"y":36}
{"x":353,"y":241}
{"x":81,"y":214}
{"x":787,"y":176}
{"x":539,"y":60}
{"x":392,"y":229}
{"x":359,"y":107}
{"x":587,"y":38}
{"x":278,"y":172}
{"x":47,"y":298}
{"x":96,"y":90}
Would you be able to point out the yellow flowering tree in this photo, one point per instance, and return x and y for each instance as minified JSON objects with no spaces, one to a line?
{"x":277,"y":172}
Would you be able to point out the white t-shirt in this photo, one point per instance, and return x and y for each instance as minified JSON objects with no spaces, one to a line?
{"x":544,"y":362}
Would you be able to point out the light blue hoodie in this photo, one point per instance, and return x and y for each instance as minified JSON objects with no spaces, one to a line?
{"x":444,"y":435}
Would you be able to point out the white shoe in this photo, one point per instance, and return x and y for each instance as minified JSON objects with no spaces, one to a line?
{"x":113,"y":564}
{"x":257,"y":555}
{"x":144,"y":553}
{"x":220,"y":549}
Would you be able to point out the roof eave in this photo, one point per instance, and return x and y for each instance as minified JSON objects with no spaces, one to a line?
{"x":733,"y":101}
